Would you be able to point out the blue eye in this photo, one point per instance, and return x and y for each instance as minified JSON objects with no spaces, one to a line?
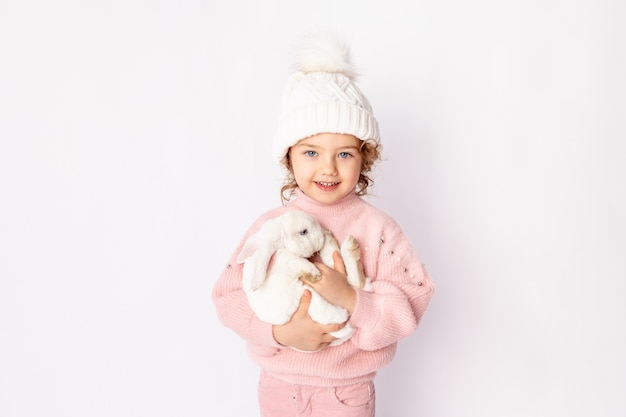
{"x":344,"y":155}
{"x":304,"y":232}
{"x":310,"y":153}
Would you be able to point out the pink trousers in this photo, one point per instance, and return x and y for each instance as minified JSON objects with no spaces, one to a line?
{"x":280,"y":399}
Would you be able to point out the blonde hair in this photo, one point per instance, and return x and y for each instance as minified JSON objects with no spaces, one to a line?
{"x":370,"y":153}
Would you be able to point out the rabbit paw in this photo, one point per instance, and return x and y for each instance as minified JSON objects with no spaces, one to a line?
{"x":351,"y":249}
{"x":310,"y":277}
{"x":351,"y":254}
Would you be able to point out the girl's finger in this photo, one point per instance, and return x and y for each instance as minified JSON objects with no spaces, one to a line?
{"x":338,"y":263}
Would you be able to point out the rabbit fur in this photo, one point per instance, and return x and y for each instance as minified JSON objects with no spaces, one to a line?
{"x":276,"y":257}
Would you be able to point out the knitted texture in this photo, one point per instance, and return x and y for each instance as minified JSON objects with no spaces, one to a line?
{"x":322,"y":96}
{"x":401,"y":293}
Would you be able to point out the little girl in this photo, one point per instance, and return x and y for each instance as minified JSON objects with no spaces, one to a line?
{"x":328,"y":141}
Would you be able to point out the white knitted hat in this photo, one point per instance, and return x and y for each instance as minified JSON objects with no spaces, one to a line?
{"x":322,"y":97}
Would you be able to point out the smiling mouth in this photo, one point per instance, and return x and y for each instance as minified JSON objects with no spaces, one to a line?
{"x":326,"y":185}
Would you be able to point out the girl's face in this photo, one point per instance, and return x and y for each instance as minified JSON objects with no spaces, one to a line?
{"x":326,"y":166}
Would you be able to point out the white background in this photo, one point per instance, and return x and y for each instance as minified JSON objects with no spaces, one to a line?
{"x":135,"y":150}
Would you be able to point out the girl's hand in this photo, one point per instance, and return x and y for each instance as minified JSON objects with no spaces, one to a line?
{"x":301,"y":332}
{"x":333,"y":285}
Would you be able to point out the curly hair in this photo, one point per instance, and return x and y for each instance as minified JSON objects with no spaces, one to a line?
{"x":370,"y":154}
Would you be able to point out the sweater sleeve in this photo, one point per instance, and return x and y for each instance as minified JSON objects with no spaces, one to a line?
{"x":232,"y":306}
{"x":401,"y":292}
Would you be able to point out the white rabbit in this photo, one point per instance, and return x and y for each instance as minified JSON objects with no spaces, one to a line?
{"x":276,"y":257}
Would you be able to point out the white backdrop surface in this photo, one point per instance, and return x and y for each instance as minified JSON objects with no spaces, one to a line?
{"x":135,"y":150}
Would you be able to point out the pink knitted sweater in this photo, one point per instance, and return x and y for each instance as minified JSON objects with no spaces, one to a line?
{"x":401,"y":292}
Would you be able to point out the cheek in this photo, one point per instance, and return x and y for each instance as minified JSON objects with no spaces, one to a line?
{"x":299,"y":170}
{"x":353,"y":169}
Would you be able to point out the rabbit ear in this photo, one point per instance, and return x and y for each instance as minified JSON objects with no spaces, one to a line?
{"x":250,"y":247}
{"x":258,"y":250}
{"x":260,"y":266}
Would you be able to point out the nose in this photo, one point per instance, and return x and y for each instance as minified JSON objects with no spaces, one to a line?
{"x":329,"y":165}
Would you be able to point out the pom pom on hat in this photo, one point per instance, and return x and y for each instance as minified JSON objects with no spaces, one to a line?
{"x":321,"y":96}
{"x":324,"y":52}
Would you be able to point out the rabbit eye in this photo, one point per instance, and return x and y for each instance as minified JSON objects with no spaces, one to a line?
{"x":304,"y":232}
